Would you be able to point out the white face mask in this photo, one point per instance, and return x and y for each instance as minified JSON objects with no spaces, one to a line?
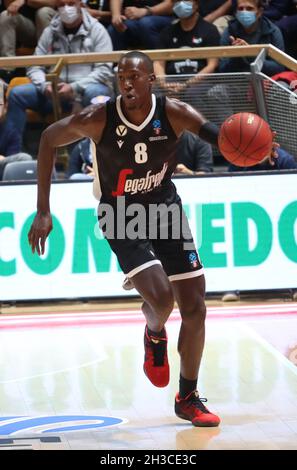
{"x":69,"y":14}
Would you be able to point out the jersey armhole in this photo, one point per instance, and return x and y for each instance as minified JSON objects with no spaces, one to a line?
{"x":96,"y":182}
{"x":168,"y":119}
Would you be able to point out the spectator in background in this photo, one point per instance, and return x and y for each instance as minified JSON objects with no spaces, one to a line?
{"x":24,"y":21}
{"x":73,"y":30}
{"x":287,"y":79}
{"x":250,"y":27}
{"x":138,"y":23}
{"x":284,"y":161}
{"x":99,"y":9}
{"x":272,"y":9}
{"x":288,"y":26}
{"x":10,"y":143}
{"x":194,"y":155}
{"x":190,"y":31}
{"x":217,"y":12}
{"x":275,"y":9}
{"x":81,"y":161}
{"x":284,"y":14}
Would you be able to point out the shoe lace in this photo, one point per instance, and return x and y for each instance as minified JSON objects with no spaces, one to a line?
{"x":197,"y":401}
{"x":158,"y":351}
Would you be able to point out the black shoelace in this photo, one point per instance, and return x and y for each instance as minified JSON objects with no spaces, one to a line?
{"x":198,"y":402}
{"x":159,"y":351}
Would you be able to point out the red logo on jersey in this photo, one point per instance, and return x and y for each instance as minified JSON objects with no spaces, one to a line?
{"x":138,"y":185}
{"x":121,"y":182}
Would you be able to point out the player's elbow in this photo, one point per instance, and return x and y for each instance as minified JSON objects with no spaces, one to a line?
{"x":45,"y":138}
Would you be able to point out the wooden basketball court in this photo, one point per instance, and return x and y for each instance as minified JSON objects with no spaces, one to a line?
{"x":74,"y":380}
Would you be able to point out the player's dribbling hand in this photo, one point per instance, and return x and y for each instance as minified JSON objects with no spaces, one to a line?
{"x":274,"y":151}
{"x":39,"y":231}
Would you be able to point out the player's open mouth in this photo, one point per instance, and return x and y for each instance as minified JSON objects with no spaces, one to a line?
{"x":130,"y":97}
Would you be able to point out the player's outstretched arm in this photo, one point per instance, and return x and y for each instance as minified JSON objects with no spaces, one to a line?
{"x":184,"y":117}
{"x":89,"y":123}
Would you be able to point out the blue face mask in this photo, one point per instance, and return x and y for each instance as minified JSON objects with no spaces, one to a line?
{"x":183,"y":9}
{"x":246,"y":18}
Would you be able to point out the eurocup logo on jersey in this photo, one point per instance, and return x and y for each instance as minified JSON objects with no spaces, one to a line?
{"x":193,"y":259}
{"x":157,"y":127}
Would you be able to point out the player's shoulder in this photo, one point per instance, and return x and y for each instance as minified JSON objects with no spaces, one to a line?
{"x":93,"y":113}
{"x":176,"y":107}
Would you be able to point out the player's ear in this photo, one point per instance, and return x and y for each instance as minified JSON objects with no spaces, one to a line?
{"x":152,"y":77}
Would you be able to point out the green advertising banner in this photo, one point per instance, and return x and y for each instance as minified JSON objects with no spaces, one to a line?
{"x":245,"y":228}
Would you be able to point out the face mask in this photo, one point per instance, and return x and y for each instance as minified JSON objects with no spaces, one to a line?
{"x":69,"y":14}
{"x":246,"y":18}
{"x":183,"y":9}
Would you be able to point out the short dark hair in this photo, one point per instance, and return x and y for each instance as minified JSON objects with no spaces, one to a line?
{"x":139,"y":55}
{"x":258,"y":3}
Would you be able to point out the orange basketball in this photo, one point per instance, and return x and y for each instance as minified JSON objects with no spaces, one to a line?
{"x":245,"y":139}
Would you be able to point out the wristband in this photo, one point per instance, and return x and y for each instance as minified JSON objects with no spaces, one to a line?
{"x":209,"y":132}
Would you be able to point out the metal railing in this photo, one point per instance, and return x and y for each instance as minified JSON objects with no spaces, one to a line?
{"x":217,"y":95}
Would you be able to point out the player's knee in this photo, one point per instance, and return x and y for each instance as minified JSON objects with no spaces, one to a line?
{"x":194,"y":312}
{"x":163,"y":301}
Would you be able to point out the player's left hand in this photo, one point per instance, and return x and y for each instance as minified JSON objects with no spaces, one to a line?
{"x":39,"y":231}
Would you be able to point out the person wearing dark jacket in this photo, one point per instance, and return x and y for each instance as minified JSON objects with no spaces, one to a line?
{"x":273,"y":9}
{"x":284,"y":161}
{"x":80,"y":161}
{"x":250,"y":27}
{"x":194,"y":155}
{"x":10,"y":141}
{"x":288,"y":26}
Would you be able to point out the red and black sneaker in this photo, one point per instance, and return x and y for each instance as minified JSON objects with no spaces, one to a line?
{"x":192,"y":409}
{"x":156,"y":366}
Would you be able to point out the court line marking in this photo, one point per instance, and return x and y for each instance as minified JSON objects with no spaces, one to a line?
{"x":53,"y":372}
{"x":272,"y":349}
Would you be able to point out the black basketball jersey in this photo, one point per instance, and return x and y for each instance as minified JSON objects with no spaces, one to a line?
{"x":137,"y":161}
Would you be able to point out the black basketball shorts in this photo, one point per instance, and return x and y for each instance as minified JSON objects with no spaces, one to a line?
{"x":158,"y":236}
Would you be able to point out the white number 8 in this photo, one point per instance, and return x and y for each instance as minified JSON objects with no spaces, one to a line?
{"x":141,"y":155}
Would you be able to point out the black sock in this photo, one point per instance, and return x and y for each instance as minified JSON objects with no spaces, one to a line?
{"x":161,"y":333}
{"x":186,"y":386}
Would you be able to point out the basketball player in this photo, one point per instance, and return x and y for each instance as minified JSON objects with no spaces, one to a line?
{"x":135,"y":139}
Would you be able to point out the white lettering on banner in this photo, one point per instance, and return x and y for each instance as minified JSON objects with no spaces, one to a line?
{"x":248,"y":231}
